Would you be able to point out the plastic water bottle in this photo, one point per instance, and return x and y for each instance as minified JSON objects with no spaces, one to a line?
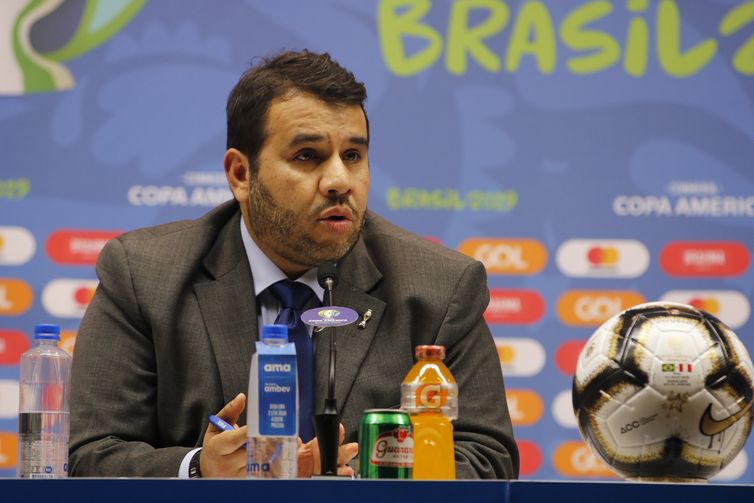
{"x":43,"y":407}
{"x":273,"y":407}
{"x":429,"y":394}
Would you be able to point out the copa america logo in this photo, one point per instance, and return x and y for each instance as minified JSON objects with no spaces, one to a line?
{"x":29,"y":63}
{"x":329,"y":313}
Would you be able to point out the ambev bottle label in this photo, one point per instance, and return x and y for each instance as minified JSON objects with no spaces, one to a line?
{"x":393,"y":448}
{"x":277,"y":391}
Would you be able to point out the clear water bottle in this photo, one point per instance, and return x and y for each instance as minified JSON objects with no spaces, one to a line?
{"x":272,"y":446}
{"x":43,"y":407}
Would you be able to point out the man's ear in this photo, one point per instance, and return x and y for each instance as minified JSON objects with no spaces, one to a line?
{"x":237,"y":173}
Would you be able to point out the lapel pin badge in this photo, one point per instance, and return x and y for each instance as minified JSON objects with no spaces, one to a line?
{"x":366,"y":317}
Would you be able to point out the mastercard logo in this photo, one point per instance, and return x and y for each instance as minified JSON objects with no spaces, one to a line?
{"x":704,"y":259}
{"x":525,"y":406}
{"x":589,"y":308}
{"x":606,"y":258}
{"x":574,"y":459}
{"x":730,"y":306}
{"x":17,"y":245}
{"x":77,"y":247}
{"x":8,"y":399}
{"x":8,"y":450}
{"x":562,"y":409}
{"x":12,"y":345}
{"x":15,"y":297}
{"x":520,"y":357}
{"x":530,"y":456}
{"x":514,"y":307}
{"x":567,"y":355}
{"x":507,"y":256}
{"x":68,"y":298}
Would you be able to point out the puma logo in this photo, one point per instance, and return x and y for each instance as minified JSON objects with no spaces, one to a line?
{"x":711,"y":426}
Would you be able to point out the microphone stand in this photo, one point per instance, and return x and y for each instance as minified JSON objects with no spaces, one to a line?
{"x":327,"y":424}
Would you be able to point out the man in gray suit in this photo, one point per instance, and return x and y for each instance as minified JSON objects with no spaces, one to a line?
{"x":168,"y":337}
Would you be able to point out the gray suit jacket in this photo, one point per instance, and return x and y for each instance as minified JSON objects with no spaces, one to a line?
{"x":168,"y":338}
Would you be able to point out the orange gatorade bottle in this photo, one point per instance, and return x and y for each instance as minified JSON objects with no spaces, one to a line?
{"x":430,"y":395}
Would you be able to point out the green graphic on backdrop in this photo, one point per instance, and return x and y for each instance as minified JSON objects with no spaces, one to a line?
{"x":24,"y":70}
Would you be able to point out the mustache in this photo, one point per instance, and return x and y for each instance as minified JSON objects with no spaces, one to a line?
{"x":334,"y":202}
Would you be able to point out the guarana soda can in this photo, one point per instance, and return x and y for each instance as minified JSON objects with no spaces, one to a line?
{"x":386,"y":445}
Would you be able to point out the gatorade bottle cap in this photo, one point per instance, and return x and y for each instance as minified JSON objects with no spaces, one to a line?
{"x":47,"y":331}
{"x":430,"y":352}
{"x":275,"y":332}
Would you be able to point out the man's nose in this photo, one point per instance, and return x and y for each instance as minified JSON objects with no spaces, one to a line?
{"x":336,"y":178}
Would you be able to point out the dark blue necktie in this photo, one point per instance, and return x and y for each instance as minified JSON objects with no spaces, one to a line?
{"x":293,"y":297}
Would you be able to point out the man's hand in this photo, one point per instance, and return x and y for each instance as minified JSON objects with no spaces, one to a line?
{"x":308,"y":456}
{"x":223,"y":452}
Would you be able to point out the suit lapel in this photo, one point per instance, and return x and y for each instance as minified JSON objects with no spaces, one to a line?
{"x":228,"y":307}
{"x":358,"y":275}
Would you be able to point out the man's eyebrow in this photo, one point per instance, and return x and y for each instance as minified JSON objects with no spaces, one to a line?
{"x":305,"y":138}
{"x":359,"y":140}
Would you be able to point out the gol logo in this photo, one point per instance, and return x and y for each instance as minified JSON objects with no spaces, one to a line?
{"x":574,"y":459}
{"x":567,"y":355}
{"x":67,"y":341}
{"x":519,"y":307}
{"x":507,"y":256}
{"x":15,"y":297}
{"x":524,"y":406}
{"x":432,"y":396}
{"x":8,"y":450}
{"x":12,"y":345}
{"x":68,"y":298}
{"x":704,"y":259}
{"x":530,"y":456}
{"x":77,"y":247}
{"x":594,"y":307}
{"x":731,"y":306}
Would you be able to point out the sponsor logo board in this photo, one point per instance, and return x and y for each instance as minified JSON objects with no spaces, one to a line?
{"x":574,"y":459}
{"x":530,"y":457}
{"x":507,"y":256}
{"x":524,"y":405}
{"x":602,"y":258}
{"x":8,"y":399}
{"x":588,"y":308}
{"x":704,"y":259}
{"x":13,"y":343}
{"x":515,"y":307}
{"x":8,"y":450}
{"x":562,"y":409}
{"x":15,"y":296}
{"x":77,"y":247}
{"x":567,"y":355}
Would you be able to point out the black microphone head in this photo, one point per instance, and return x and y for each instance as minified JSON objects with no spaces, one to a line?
{"x":325,"y":271}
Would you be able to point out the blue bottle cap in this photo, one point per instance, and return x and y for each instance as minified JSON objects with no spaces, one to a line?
{"x":275,"y":332}
{"x":47,"y":331}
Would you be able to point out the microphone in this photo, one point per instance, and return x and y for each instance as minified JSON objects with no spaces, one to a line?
{"x":326,"y":425}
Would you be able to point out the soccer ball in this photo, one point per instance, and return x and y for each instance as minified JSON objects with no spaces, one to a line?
{"x":663,"y":391}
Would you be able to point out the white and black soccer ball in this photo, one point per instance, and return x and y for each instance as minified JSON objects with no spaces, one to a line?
{"x":664,"y":391}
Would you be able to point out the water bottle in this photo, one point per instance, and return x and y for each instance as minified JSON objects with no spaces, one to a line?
{"x":273,"y":407}
{"x":43,"y":407}
{"x":429,"y":394}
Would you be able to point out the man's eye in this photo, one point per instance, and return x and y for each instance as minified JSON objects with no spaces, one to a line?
{"x":305,"y":155}
{"x":352,"y":155}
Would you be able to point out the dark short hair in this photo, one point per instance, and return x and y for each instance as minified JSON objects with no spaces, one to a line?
{"x":305,"y":71}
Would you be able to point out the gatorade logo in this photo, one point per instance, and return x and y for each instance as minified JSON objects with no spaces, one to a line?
{"x":514,"y":307}
{"x":277,"y":367}
{"x":530,"y":457}
{"x":592,"y":308}
{"x":12,"y":345}
{"x":17,"y":245}
{"x":15,"y":297}
{"x":68,"y":298}
{"x":704,"y":259}
{"x":8,"y":450}
{"x":574,"y":459}
{"x":77,"y":247}
{"x":525,"y":406}
{"x":606,"y":258}
{"x":507,"y":256}
{"x":432,"y":396}
{"x":730,"y":306}
{"x":567,"y":355}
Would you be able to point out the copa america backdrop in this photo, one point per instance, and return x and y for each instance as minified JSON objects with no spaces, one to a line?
{"x":592,"y":154}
